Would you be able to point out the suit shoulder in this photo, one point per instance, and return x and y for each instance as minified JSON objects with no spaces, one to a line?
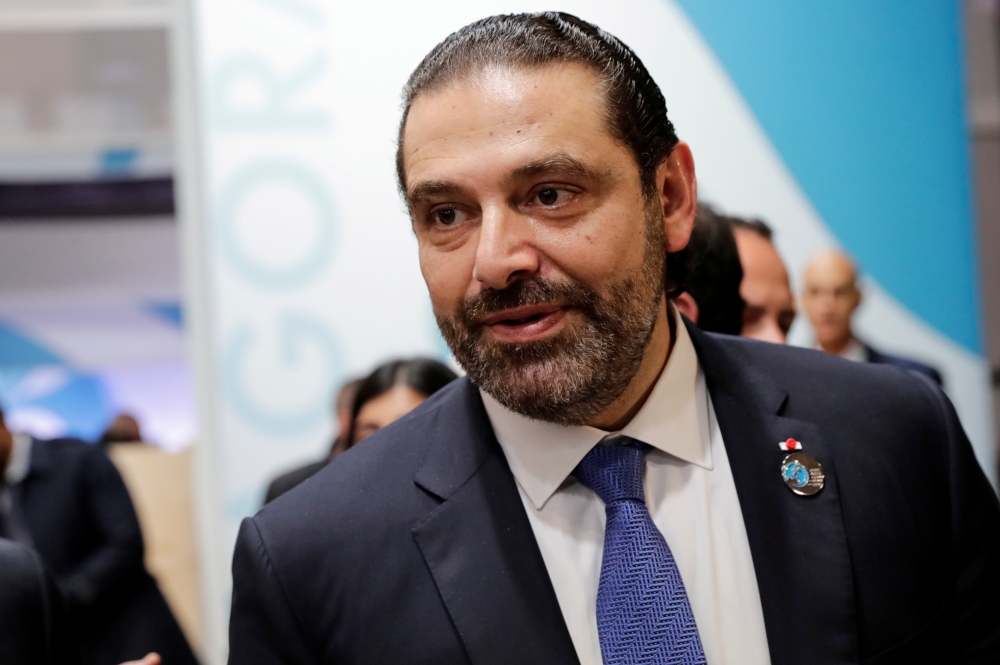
{"x":827,"y":381}
{"x":370,"y":485}
{"x":70,"y":447}
{"x":904,"y":363}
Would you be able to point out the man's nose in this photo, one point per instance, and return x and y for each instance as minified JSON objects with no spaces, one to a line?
{"x":506,"y":251}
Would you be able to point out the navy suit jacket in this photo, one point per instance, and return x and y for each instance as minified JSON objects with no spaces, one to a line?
{"x":415,"y":547}
{"x":903,"y":363}
{"x":33,"y":627}
{"x":83,"y":525}
{"x":293,"y":478}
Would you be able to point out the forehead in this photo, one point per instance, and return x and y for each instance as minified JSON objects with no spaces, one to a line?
{"x":759,"y":257}
{"x":500,"y":117}
{"x":830,"y":270}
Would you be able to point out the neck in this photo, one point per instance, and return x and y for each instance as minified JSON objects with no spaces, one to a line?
{"x":838,"y":345}
{"x":622,"y":410}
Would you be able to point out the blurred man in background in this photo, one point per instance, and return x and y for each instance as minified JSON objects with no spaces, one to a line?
{"x":830,"y":297}
{"x":123,"y":429}
{"x":712,"y":297}
{"x":770,"y":307}
{"x":65,"y":499}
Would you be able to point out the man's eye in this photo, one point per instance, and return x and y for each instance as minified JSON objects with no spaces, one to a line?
{"x":446,"y":216}
{"x":548,"y":196}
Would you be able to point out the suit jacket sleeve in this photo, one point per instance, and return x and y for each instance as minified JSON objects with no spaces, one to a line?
{"x":262,"y":627}
{"x":975,"y":516}
{"x":119,"y":558}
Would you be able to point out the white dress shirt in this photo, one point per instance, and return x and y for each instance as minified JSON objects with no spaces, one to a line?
{"x":19,"y":461}
{"x":691,"y":497}
{"x":855,"y":351}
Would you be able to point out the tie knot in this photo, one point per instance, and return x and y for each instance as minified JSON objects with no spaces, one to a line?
{"x":614,"y":472}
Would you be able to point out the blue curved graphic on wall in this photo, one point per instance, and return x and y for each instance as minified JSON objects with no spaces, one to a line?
{"x":17,"y":349}
{"x":34,"y":380}
{"x":864,"y":101}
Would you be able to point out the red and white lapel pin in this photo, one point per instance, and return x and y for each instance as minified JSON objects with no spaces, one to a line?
{"x":789,"y":445}
{"x":802,"y":473}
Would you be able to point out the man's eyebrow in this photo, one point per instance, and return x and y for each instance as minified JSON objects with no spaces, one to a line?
{"x":559,"y":164}
{"x":432,"y":189}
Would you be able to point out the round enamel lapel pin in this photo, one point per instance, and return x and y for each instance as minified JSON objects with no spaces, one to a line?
{"x":802,"y":473}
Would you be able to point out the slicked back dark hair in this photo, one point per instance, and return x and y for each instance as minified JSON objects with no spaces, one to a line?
{"x":636,"y":112}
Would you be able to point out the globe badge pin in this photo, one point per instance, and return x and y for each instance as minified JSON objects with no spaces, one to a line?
{"x":802,"y":473}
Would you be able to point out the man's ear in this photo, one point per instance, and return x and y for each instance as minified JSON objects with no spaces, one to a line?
{"x":687,"y":306}
{"x":677,"y":187}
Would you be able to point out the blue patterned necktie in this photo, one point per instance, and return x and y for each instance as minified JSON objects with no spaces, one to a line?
{"x":643,"y":613}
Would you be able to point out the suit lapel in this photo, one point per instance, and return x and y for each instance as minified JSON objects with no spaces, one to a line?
{"x":480,"y":549}
{"x":798,"y":544}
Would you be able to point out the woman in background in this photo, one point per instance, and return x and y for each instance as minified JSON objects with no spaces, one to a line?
{"x":393,"y":390}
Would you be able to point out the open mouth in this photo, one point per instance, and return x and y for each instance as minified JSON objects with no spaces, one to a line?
{"x":527,"y":319}
{"x":527,"y":323}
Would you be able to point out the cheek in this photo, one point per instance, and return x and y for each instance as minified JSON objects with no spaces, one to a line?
{"x":601,"y":249}
{"x":448,"y":276}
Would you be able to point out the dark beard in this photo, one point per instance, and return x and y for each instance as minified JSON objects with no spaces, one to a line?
{"x":572,"y":376}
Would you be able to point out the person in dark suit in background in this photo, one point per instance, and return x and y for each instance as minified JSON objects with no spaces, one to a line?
{"x":611,"y":485}
{"x":712,"y":297}
{"x":65,"y":499}
{"x":830,"y":296}
{"x":391,"y":391}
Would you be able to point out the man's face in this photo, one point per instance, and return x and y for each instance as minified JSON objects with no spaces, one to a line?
{"x":770,"y":308}
{"x":543,"y":259}
{"x":830,"y":298}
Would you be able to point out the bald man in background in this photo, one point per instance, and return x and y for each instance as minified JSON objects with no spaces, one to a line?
{"x":770,"y":307}
{"x":830,"y":298}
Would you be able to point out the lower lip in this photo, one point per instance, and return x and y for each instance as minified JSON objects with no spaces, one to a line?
{"x":530,"y":331}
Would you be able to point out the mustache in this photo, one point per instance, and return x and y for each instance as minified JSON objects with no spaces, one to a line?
{"x":534,"y":291}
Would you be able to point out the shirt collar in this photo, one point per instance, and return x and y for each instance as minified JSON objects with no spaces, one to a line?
{"x":20,"y":459}
{"x":854,"y":351}
{"x":542,"y":455}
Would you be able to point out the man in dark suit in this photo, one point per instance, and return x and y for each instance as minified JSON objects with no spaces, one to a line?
{"x":830,"y":297}
{"x":611,"y":484}
{"x":65,"y":499}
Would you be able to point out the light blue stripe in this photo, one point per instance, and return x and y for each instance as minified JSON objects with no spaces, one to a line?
{"x":864,"y":100}
{"x":17,"y":349}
